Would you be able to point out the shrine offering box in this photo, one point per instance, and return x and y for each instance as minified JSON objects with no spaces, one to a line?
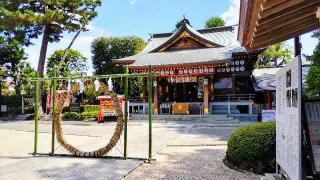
{"x":180,"y":108}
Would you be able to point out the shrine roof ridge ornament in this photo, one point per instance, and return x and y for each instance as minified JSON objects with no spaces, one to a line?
{"x":202,"y":31}
{"x":185,"y":30}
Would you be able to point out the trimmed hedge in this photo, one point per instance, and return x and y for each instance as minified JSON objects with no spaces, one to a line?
{"x":11,"y":101}
{"x":78,"y":117}
{"x":91,"y":108}
{"x":72,"y":116}
{"x":253,"y":147}
{"x":89,"y":115}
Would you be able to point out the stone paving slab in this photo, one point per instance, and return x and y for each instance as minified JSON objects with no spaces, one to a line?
{"x":189,"y":163}
{"x":16,"y":144}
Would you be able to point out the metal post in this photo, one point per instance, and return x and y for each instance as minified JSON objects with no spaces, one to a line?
{"x":54,"y":92}
{"x":36,"y":118}
{"x":125,"y":112}
{"x":150,"y":110}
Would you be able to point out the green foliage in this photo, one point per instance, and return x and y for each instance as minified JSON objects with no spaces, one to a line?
{"x":11,"y":101}
{"x":315,"y":57}
{"x":313,"y":76}
{"x":273,"y":53}
{"x":73,"y":65}
{"x":313,"y":82}
{"x":90,"y":108}
{"x":11,"y":53}
{"x":23,"y":86}
{"x":135,"y":86}
{"x":214,"y":21}
{"x":316,"y":34}
{"x":253,"y":147}
{"x":179,"y":23}
{"x":73,"y":116}
{"x":90,"y":89}
{"x":105,"y":49}
{"x":89,"y":115}
{"x":28,"y":19}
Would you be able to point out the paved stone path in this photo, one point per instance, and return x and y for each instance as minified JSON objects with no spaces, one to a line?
{"x":16,"y":144}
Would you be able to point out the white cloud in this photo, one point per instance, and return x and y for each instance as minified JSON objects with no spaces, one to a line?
{"x":133,"y":2}
{"x":82,"y":44}
{"x":231,"y":16}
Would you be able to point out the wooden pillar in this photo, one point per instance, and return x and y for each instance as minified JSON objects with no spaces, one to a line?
{"x":318,"y":13}
{"x":269,"y":100}
{"x":297,"y":46}
{"x":145,"y":88}
{"x":205,"y":96}
{"x":155,"y":96}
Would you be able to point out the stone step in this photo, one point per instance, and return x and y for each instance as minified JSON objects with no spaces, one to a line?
{"x":196,"y":118}
{"x":23,"y":117}
{"x":46,"y":118}
{"x":269,"y":176}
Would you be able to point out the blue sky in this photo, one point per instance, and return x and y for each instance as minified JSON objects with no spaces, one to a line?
{"x":141,"y":17}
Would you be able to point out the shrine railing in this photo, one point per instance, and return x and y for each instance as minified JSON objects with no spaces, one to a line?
{"x":234,"y":97}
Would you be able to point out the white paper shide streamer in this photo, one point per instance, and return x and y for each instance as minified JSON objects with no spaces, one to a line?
{"x":110,"y":85}
{"x":69,"y":85}
{"x":96,"y":85}
{"x":81,"y":86}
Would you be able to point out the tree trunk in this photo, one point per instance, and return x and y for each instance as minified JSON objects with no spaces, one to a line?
{"x":41,"y":63}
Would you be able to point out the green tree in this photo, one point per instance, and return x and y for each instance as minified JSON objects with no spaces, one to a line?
{"x":74,"y":63}
{"x":313,"y":76}
{"x":273,"y":53}
{"x":313,"y":82}
{"x":11,"y":53}
{"x":23,"y":71}
{"x":214,"y":21}
{"x":105,"y":49}
{"x":49,"y":18}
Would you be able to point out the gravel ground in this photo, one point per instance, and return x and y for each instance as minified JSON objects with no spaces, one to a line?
{"x":204,"y":162}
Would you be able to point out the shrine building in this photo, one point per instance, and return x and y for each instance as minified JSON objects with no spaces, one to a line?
{"x":196,"y":71}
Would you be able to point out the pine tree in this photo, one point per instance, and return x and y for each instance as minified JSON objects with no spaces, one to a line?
{"x":28,"y":19}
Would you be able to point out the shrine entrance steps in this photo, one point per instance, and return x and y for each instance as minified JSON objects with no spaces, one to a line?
{"x":212,"y":119}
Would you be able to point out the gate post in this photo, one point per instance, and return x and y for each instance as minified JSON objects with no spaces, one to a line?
{"x":150,"y":110}
{"x":125,"y":112}
{"x":36,"y":118}
{"x":54,"y":92}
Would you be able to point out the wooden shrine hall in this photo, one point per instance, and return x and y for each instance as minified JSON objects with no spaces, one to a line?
{"x":197,"y":71}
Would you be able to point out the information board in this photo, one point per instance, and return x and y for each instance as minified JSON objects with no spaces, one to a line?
{"x":312,"y":112}
{"x":288,"y":114}
{"x":268,"y":115}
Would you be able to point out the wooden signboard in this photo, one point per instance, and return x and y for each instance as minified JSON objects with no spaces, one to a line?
{"x":312,"y":114}
{"x":180,"y":108}
{"x":288,"y":119}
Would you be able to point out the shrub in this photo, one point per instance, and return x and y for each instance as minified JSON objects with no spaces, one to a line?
{"x":11,"y":101}
{"x":89,"y":115}
{"x":91,"y":108}
{"x":72,"y":116}
{"x":253,"y":147}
